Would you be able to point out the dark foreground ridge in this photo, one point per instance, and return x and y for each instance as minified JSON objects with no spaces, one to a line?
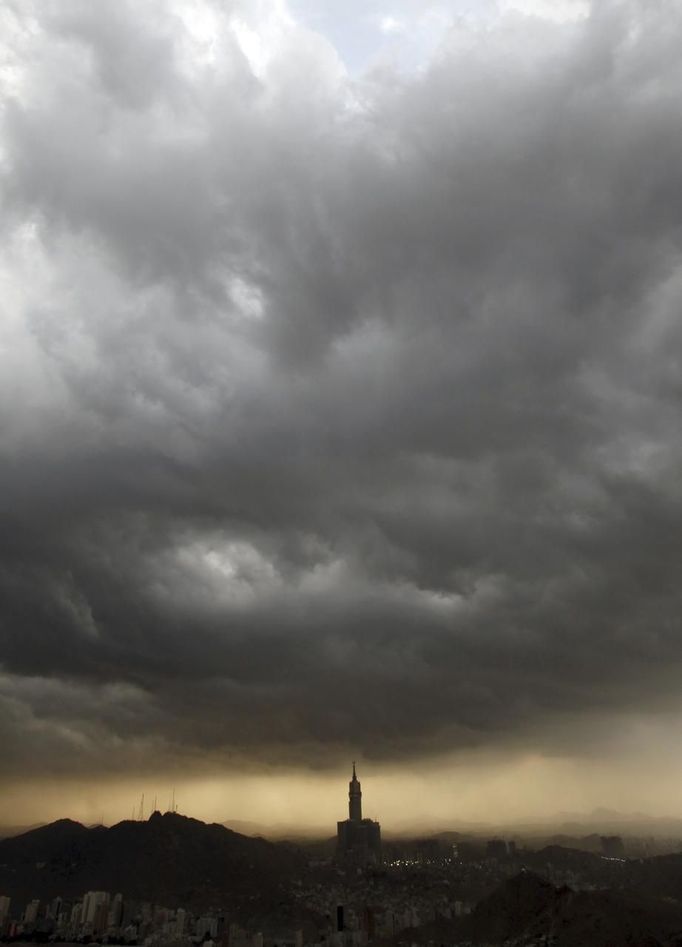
{"x":528,"y":911}
{"x":529,"y":906}
{"x":169,"y":859}
{"x":174,"y":880}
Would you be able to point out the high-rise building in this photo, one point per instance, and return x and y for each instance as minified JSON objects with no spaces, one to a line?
{"x":31,"y":912}
{"x":180,"y":922}
{"x":207,"y":926}
{"x":496,"y":848}
{"x":115,"y":916}
{"x":95,"y":911}
{"x":53,"y":909}
{"x":358,"y":840}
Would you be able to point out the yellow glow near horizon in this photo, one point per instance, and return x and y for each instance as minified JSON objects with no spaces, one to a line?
{"x":527,"y":788}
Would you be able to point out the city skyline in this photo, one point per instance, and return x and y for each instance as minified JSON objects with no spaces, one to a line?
{"x":339,"y":407}
{"x":254,"y":893}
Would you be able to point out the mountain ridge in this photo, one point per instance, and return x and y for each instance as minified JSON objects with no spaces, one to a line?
{"x":169,"y":859}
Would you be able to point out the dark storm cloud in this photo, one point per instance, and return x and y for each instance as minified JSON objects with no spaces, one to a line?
{"x":335,"y":411}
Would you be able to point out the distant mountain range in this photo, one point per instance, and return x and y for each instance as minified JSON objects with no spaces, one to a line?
{"x":604,"y":821}
{"x":280,"y":831}
{"x":572,"y":824}
{"x":569,"y":824}
{"x":169,"y":859}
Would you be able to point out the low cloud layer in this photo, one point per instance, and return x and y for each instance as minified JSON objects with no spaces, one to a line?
{"x":337,"y":411}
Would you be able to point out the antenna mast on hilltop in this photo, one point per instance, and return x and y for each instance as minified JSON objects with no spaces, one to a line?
{"x":171,"y":802}
{"x":141,"y":815}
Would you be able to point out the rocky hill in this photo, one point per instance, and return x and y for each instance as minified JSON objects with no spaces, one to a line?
{"x":529,"y":910}
{"x":528,"y":906}
{"x":169,"y":859}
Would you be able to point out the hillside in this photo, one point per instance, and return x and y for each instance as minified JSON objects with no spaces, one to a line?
{"x":169,"y":859}
{"x":528,"y":907}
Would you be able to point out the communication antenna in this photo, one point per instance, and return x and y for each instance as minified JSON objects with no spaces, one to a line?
{"x":173,"y":806}
{"x":154,"y":809}
{"x":141,"y":815}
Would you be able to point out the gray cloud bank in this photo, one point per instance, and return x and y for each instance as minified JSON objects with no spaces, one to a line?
{"x":335,"y":412}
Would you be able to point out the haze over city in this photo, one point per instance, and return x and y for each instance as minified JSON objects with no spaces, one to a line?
{"x":339,"y":408}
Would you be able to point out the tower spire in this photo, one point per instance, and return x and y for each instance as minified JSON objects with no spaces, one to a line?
{"x":355,"y":798}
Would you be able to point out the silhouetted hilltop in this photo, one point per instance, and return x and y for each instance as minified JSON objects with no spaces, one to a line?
{"x":10,"y":831}
{"x":660,"y":876}
{"x":514,"y":908}
{"x":576,"y":858}
{"x":528,"y":909}
{"x":528,"y":906}
{"x":169,"y":859}
{"x":45,"y":838}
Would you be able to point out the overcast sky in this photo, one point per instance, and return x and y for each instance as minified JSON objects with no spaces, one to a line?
{"x":340,"y":403}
